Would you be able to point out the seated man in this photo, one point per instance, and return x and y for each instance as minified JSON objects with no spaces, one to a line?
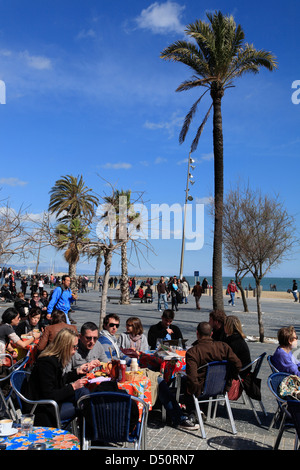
{"x":89,"y":351}
{"x":163,"y":330}
{"x":205,"y":350}
{"x":108,"y":339}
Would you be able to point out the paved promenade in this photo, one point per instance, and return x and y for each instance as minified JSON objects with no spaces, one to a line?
{"x":250,"y":436}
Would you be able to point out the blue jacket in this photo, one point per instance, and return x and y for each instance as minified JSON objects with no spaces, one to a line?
{"x":61,"y":299}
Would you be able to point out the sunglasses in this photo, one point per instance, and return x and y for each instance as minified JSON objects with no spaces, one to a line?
{"x":111,"y":325}
{"x":91,"y":338}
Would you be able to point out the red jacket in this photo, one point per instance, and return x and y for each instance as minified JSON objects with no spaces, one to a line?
{"x":231,"y":288}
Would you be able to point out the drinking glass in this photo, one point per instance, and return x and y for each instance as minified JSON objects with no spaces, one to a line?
{"x":27,"y":424}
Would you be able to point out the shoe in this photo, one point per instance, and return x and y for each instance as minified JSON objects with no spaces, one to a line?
{"x":160,"y":310}
{"x":187,"y":424}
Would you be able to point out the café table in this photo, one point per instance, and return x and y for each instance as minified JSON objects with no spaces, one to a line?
{"x":140,"y":388}
{"x":30,"y":350}
{"x":168,"y":367}
{"x":53,"y":438}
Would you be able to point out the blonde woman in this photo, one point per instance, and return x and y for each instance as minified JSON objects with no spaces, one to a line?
{"x":48,"y":381}
{"x":235,"y":338}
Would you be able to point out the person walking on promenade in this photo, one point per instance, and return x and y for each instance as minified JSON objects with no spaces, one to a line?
{"x":185,"y":290}
{"x":231,"y":290}
{"x":162,"y":292}
{"x":204,"y":285}
{"x":61,"y":299}
{"x":197,"y":292}
{"x":295,"y":290}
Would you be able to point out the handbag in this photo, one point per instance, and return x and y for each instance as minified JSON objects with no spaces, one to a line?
{"x":290,"y":387}
{"x":235,"y":390}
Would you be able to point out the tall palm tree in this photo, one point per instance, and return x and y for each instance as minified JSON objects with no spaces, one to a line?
{"x":121,"y":201}
{"x":217,"y":56}
{"x":72,"y":238}
{"x":71,"y":199}
{"x":73,"y":203}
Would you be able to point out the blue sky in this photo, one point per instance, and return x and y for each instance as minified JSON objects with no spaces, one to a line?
{"x":87,"y":93}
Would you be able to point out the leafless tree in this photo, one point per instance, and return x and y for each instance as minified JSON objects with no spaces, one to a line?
{"x":258,"y":235}
{"x":16,"y":237}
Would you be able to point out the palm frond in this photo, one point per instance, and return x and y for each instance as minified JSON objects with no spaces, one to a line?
{"x":188,"y":119}
{"x":200,"y":130}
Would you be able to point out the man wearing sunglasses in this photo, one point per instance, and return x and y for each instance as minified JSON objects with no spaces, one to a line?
{"x":90,"y":351}
{"x":108,"y":338}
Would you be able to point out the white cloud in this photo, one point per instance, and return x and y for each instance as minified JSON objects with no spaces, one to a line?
{"x":207,"y":200}
{"x":174,"y":123}
{"x":37,"y":62}
{"x":207,"y":157}
{"x":117,"y":166}
{"x":86,"y":33}
{"x":161,"y":18}
{"x":160,"y":160}
{"x":12,"y":182}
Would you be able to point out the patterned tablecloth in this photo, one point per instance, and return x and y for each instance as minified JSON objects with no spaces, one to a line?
{"x":140,"y":389}
{"x":55,"y":439}
{"x":167,"y":367}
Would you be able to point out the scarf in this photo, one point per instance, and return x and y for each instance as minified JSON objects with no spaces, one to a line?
{"x":135,"y":342}
{"x":113,"y":340}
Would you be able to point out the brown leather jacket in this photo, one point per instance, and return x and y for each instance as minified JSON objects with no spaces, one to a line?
{"x":50,"y":332}
{"x":207,"y":350}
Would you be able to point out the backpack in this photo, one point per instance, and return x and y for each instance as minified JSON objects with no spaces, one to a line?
{"x":290,"y":387}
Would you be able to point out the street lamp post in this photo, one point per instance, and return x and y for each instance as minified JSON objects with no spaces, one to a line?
{"x":187,"y":198}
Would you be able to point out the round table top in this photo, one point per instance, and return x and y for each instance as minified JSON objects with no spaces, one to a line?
{"x":53,"y":438}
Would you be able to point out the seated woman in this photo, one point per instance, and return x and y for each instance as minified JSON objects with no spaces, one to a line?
{"x":48,"y":381}
{"x":8,"y":336}
{"x":134,"y":337}
{"x":235,"y":338}
{"x":58,"y":322}
{"x":36,"y":301}
{"x":21,"y":305}
{"x":283,"y":358}
{"x":29,"y":323}
{"x":6,"y":294}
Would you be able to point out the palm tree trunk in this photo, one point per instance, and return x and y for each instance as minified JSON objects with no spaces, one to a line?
{"x":125,"y":299}
{"x":97,"y":269}
{"x":218,"y":301}
{"x":72,"y":274}
{"x":107,"y":264}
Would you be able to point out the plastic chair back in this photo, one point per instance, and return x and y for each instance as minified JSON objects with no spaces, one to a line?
{"x":17,"y":380}
{"x":107,"y":417}
{"x":272,"y":367}
{"x":215,"y":380}
{"x":274,"y":381}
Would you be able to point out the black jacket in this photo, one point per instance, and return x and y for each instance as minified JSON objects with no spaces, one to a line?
{"x":48,"y":382}
{"x":159,"y":331}
{"x":240,"y":349}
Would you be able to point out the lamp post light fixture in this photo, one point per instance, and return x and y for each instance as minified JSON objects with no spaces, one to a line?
{"x":187,"y":198}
